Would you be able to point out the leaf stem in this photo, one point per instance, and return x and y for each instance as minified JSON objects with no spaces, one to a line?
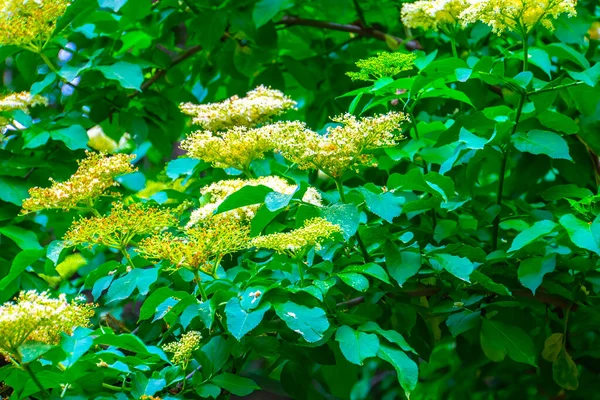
{"x":300,"y":271}
{"x":200,"y":286}
{"x":546,"y":90}
{"x":123,"y":251}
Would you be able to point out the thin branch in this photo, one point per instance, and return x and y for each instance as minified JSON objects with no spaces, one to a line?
{"x":162,"y":72}
{"x":359,"y":30}
{"x":360,"y":13}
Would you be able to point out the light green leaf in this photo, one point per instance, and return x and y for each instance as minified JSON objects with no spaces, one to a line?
{"x":389,"y":335}
{"x":240,"y":321}
{"x":460,"y":267}
{"x":530,"y":235}
{"x":463,"y":321}
{"x":499,"y":340}
{"x":311,"y":323}
{"x":354,"y":280}
{"x":356,"y":346}
{"x":552,"y":347}
{"x":25,"y":239}
{"x":407,"y":369}
{"x":569,"y":191}
{"x":557,"y":121}
{"x":584,"y":235}
{"x":384,"y":205}
{"x":19,"y":264}
{"x":542,"y":142}
{"x":265,"y":10}
{"x":74,"y":137}
{"x":532,"y":270}
{"x":129,"y":76}
{"x":13,"y":190}
{"x":489,"y":284}
{"x":371,"y":269}
{"x":401,"y":265}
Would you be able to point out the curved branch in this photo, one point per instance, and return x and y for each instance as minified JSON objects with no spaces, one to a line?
{"x":356,"y":29}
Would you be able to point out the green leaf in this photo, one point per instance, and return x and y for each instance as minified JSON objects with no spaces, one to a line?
{"x":552,"y":347}
{"x":354,"y":280}
{"x":568,"y":191}
{"x":25,"y":239}
{"x":74,"y":137}
{"x":181,"y":166}
{"x":156,"y":298}
{"x":489,"y":284}
{"x":499,"y":340}
{"x":401,"y":265}
{"x":265,"y":10}
{"x":123,"y":287}
{"x":371,"y":269}
{"x":460,"y":267}
{"x":389,"y":335}
{"x":31,"y":351}
{"x":530,"y":235}
{"x":463,"y":321}
{"x":344,"y":215}
{"x":237,"y":385}
{"x":208,"y":390}
{"x":19,"y":264}
{"x":414,"y":179}
{"x":13,"y":190}
{"x":557,"y":121}
{"x":446,"y":93}
{"x":532,"y":270}
{"x":356,"y":346}
{"x":584,"y":235}
{"x":564,"y":371}
{"x":542,"y":142}
{"x":408,"y":372}
{"x":590,"y":76}
{"x":240,"y":321}
{"x":311,"y":323}
{"x":129,"y":76}
{"x":248,"y":195}
{"x":384,"y":205}
{"x":564,"y":52}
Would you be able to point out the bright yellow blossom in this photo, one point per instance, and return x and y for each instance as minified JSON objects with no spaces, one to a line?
{"x":93,"y":178}
{"x":21,"y":101}
{"x":343,"y":146}
{"x":37,"y":317}
{"x":520,"y":16}
{"x":119,"y":227}
{"x":29,"y":23}
{"x":182,"y":349}
{"x":200,"y":247}
{"x":314,"y":232}
{"x":433,"y":14}
{"x":217,"y":192}
{"x":258,"y":106}
{"x":235,"y":148}
{"x":384,"y":65}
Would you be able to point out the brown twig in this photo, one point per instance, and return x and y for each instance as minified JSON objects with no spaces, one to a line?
{"x":161,"y":72}
{"x":356,"y":29}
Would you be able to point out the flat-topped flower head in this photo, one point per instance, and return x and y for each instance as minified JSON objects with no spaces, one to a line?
{"x":198,"y":248}
{"x":314,"y":232}
{"x":21,"y":101}
{"x":29,"y":23}
{"x":182,"y":349}
{"x":34,"y":316}
{"x":92,"y":179}
{"x":119,"y":227}
{"x":258,"y":106}
{"x":343,"y":146}
{"x":520,"y":16}
{"x":433,"y":14}
{"x":217,"y":192}
{"x":235,"y":148}
{"x":384,"y":65}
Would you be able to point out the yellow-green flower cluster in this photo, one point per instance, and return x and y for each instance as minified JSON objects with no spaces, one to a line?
{"x":92,"y":179}
{"x":520,"y":16}
{"x":38,"y":317}
{"x":343,"y":146}
{"x":200,"y":247}
{"x":235,"y":148}
{"x":182,"y":349}
{"x":29,"y":23}
{"x":217,"y":192}
{"x":433,"y":14}
{"x":21,"y":101}
{"x":384,"y":65}
{"x":258,"y":106}
{"x":119,"y":227}
{"x":314,"y":232}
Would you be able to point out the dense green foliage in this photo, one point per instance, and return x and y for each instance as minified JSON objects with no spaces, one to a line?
{"x":467,"y":265}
